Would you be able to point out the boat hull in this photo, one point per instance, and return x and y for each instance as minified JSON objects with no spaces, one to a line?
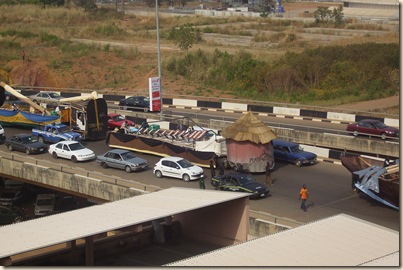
{"x":388,"y":184}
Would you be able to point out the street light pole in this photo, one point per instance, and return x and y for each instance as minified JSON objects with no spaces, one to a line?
{"x":159,"y":52}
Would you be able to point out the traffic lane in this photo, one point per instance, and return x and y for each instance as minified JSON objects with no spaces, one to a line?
{"x":329,"y":186}
{"x":330,"y":193}
{"x":285,"y":122}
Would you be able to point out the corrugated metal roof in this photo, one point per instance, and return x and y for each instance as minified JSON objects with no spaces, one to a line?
{"x":341,"y":240}
{"x":59,"y":228}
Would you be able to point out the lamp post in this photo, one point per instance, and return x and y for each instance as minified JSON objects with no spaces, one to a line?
{"x":159,"y":53}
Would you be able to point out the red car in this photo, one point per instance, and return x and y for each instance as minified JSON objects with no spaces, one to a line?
{"x":373,"y":127}
{"x":116,"y":120}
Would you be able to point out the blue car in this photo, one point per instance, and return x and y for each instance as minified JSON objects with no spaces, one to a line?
{"x":292,"y":152}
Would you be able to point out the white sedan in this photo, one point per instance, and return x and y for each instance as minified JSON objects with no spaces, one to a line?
{"x":72,"y":150}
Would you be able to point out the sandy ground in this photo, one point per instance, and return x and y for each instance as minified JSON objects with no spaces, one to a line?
{"x":372,"y":104}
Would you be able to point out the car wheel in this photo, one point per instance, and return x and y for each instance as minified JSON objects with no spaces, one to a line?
{"x":128,"y":169}
{"x":54,"y":154}
{"x":27,"y":151}
{"x":298,"y":162}
{"x":104,"y":165}
{"x":74,"y":159}
{"x":186,"y":177}
{"x":355,"y":133}
{"x":10,"y":147}
{"x":383,"y":135}
{"x":158,"y":174}
{"x":41,"y":139}
{"x":17,"y":220}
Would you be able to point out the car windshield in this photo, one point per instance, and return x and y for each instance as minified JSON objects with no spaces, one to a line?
{"x":145,"y":99}
{"x":296,"y":148}
{"x":127,"y":155}
{"x":76,"y":146}
{"x":29,"y":139}
{"x":44,"y":202}
{"x":119,"y":118}
{"x":184,"y":163}
{"x":54,"y":95}
{"x":245,"y":179}
{"x":380,"y":125}
{"x":64,"y":129}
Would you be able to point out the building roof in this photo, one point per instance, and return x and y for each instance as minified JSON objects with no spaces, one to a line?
{"x":249,"y":128}
{"x":63,"y":227}
{"x":340,"y":240}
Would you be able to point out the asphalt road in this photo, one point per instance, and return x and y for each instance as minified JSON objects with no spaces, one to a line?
{"x":329,"y":187}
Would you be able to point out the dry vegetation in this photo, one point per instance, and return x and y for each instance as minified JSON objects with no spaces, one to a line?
{"x":120,"y":52}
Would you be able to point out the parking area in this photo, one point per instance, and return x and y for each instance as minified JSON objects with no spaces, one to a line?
{"x":18,"y":199}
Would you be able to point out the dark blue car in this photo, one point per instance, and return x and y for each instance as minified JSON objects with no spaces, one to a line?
{"x":240,"y":182}
{"x":292,"y":152}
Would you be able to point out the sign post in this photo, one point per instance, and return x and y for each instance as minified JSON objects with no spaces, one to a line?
{"x":155,"y":94}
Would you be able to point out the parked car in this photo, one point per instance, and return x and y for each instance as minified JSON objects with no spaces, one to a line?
{"x":25,"y":143}
{"x":72,"y":150}
{"x":116,"y":120}
{"x":2,"y":135}
{"x":292,"y":152}
{"x":134,"y":103}
{"x":11,"y":198}
{"x":46,"y":97}
{"x":240,"y":182}
{"x":373,"y":127}
{"x":178,"y":167}
{"x":122,"y":159}
{"x":44,"y":204}
{"x":10,"y":215}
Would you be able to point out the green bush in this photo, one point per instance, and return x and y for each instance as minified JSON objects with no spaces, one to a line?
{"x":323,"y":74}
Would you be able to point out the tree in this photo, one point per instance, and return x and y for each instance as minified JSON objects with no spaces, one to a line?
{"x":183,"y":3}
{"x":322,"y":14}
{"x":338,"y":15}
{"x":185,"y":36}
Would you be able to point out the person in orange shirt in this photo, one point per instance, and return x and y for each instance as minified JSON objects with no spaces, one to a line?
{"x":303,"y":195}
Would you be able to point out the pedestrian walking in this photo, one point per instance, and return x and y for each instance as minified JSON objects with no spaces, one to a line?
{"x":268,"y":174}
{"x":23,"y":55}
{"x":303,"y":195}
{"x":201,"y":183}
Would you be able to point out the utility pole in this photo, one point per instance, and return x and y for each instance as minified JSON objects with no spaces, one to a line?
{"x":159,"y":53}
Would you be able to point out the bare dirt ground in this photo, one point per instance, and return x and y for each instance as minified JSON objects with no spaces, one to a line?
{"x":375,"y":105}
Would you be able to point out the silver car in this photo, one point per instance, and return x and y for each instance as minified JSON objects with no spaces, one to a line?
{"x":122,"y":159}
{"x":46,"y":97}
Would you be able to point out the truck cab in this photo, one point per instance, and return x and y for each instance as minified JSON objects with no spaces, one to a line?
{"x":54,"y":133}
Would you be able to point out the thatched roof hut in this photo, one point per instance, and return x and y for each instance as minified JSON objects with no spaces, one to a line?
{"x":249,"y":128}
{"x":248,"y":143}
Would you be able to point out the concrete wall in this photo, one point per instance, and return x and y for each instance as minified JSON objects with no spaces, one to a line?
{"x":224,"y":224}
